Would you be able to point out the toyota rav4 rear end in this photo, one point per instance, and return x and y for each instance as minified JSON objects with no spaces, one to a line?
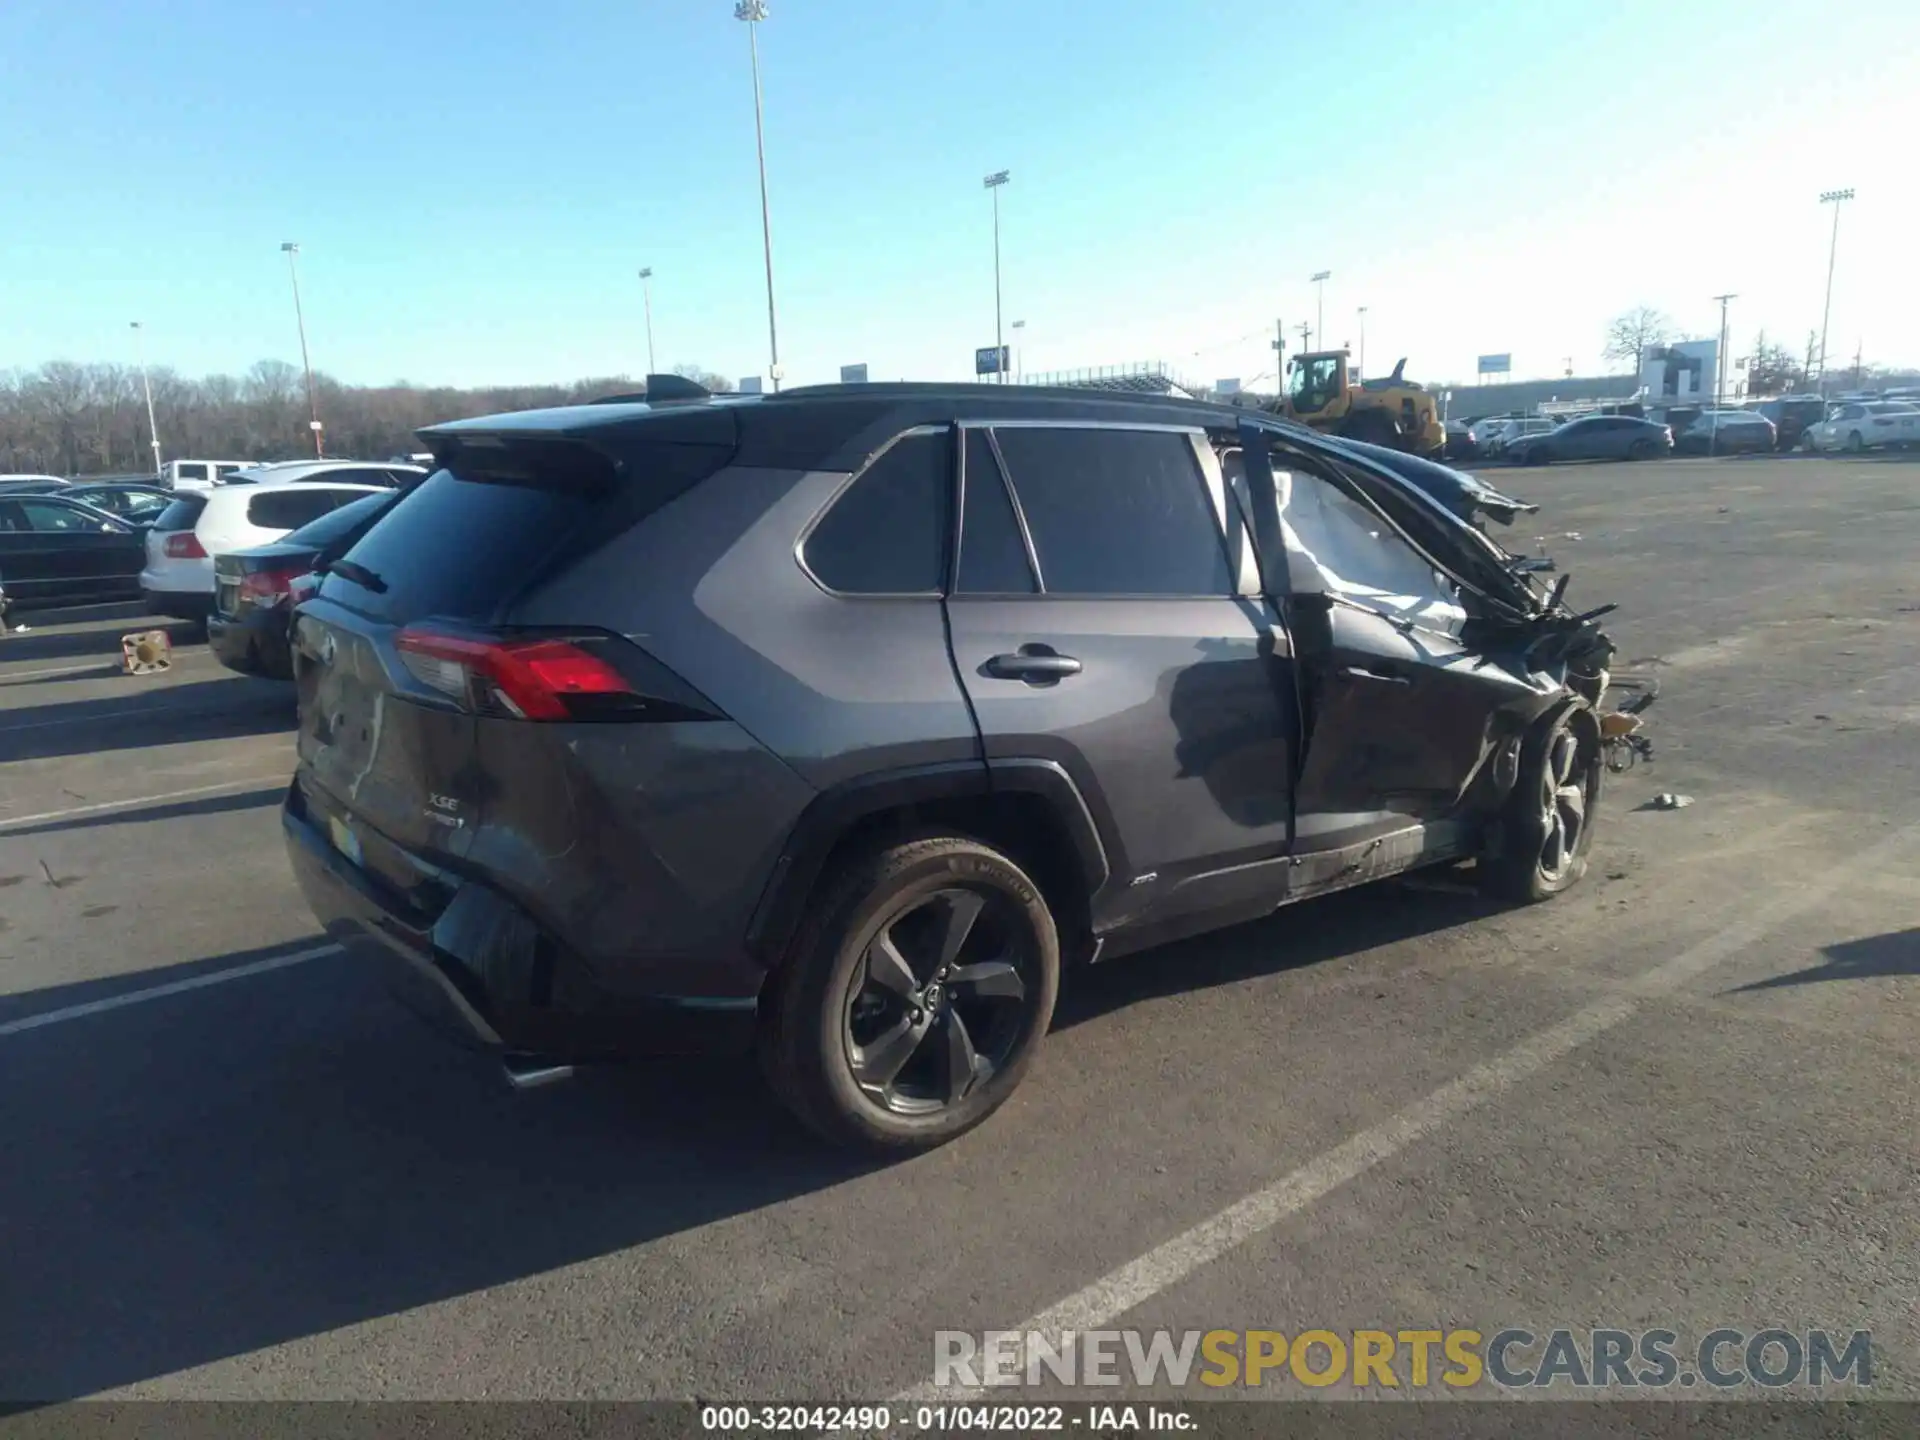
{"x":556,"y":834}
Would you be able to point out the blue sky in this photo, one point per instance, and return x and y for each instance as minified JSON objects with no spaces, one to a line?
{"x":475,"y":185}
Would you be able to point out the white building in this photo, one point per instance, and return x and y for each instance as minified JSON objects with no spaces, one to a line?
{"x":1680,"y":374}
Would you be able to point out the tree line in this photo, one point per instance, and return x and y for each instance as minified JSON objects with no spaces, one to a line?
{"x":71,"y":418}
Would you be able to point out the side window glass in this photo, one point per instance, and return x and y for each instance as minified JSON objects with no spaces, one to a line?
{"x":49,"y":518}
{"x":287,"y":508}
{"x":993,"y":556}
{"x":1116,"y":512}
{"x":886,"y":534}
{"x":1335,"y":544}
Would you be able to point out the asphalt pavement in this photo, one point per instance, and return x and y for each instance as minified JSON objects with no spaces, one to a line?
{"x":1682,"y":1096}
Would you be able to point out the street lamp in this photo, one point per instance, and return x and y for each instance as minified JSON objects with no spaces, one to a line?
{"x":153,"y":431}
{"x":1017,"y":327}
{"x":993,"y":183}
{"x":1320,"y":278}
{"x":753,"y":12}
{"x":292,"y":248}
{"x":1362,"y":367}
{"x":1833,"y":198}
{"x":646,"y":292}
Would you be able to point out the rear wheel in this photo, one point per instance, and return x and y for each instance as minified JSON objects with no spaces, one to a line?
{"x":1546,"y":828}
{"x":915,"y":996}
{"x":1642,"y":450}
{"x":1855,"y":443}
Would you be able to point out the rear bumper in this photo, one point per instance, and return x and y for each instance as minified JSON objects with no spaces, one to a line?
{"x":254,"y":643}
{"x":484,"y":971}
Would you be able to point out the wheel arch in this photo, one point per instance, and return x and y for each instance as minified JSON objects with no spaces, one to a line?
{"x":1030,"y":810}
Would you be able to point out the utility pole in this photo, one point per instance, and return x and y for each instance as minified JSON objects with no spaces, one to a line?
{"x":1279,"y":356}
{"x":1320,"y":278}
{"x":1306,"y":336}
{"x":646,"y":292}
{"x":753,"y":12}
{"x":993,"y":183}
{"x":292,"y":249}
{"x":1720,"y":374}
{"x":153,"y":431}
{"x":1833,"y":198}
{"x":1363,"y":342}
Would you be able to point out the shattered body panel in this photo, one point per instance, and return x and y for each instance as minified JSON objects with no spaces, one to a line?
{"x":1423,"y":651}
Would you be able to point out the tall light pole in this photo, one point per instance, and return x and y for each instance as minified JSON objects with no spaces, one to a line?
{"x":1363,"y":341}
{"x":993,"y":183}
{"x":646,"y":293}
{"x":153,"y":431}
{"x":292,"y":249}
{"x":1720,"y":374}
{"x":1017,"y":327}
{"x":1833,"y":198}
{"x":1320,"y":278}
{"x":753,"y":12}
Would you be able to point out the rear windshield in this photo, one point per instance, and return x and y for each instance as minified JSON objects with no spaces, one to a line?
{"x":284,"y":508}
{"x":337,"y":524}
{"x":459,"y":548}
{"x":182,"y":514}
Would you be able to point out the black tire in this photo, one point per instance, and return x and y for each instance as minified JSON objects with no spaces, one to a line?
{"x":1535,"y":455}
{"x":1374,"y":427}
{"x":1642,"y":450}
{"x":1855,"y":444}
{"x":842,"y":1012}
{"x":1546,"y":828}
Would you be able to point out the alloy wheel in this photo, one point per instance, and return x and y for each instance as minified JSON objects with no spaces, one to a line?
{"x":940,"y":1001}
{"x":1563,"y":805}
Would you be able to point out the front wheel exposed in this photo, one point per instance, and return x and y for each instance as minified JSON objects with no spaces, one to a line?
{"x":1546,"y":827}
{"x":915,"y":996}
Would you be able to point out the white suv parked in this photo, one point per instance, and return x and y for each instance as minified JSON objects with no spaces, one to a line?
{"x":178,"y":578}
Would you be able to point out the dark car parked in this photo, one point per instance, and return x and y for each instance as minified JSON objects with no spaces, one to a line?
{"x":834,"y":724}
{"x":55,"y":551}
{"x":137,"y":504}
{"x":253,"y":590}
{"x":1792,"y":417}
{"x":1597,"y":437}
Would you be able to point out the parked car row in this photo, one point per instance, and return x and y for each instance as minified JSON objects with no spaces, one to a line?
{"x":1867,"y":425}
{"x":83,"y":542}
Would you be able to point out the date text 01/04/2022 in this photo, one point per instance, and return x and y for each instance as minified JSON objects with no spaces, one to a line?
{"x":941,"y":1419}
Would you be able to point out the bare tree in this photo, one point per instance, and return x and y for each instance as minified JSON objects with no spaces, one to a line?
{"x":718,"y":384}
{"x":1631,"y":335}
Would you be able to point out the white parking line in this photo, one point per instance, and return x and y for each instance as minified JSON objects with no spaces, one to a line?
{"x":156,"y":992}
{"x":135,"y":802}
{"x":1164,"y":1266}
{"x":100,"y":667}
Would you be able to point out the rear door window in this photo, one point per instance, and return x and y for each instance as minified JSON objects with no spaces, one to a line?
{"x":1116,"y":512}
{"x":886,"y":534}
{"x":289,"y":507}
{"x":993,"y":556}
{"x":192,"y":471}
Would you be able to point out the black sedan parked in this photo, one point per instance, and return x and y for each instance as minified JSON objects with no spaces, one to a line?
{"x":1598,"y":437}
{"x":56,"y":551}
{"x":253,"y":590}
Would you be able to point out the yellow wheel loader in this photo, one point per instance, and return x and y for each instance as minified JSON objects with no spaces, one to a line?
{"x":1395,"y":412}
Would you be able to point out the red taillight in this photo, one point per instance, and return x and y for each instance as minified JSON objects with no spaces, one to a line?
{"x":184,"y":545}
{"x":531,"y":679}
{"x":268,"y":587}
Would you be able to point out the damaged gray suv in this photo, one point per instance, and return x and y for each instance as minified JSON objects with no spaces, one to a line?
{"x":836,"y":724}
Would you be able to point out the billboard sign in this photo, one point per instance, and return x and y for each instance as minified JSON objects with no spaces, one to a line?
{"x":853,"y":374}
{"x":990,"y":360}
{"x":749,"y":384}
{"x":1227,"y":387}
{"x":1495,"y":365}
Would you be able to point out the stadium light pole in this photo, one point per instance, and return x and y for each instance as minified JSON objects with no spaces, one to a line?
{"x":292,"y":249}
{"x":1363,"y":342}
{"x":1320,"y":278}
{"x":646,"y":296}
{"x":1833,"y":198}
{"x":153,"y":431}
{"x":753,"y":12}
{"x":993,"y":183}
